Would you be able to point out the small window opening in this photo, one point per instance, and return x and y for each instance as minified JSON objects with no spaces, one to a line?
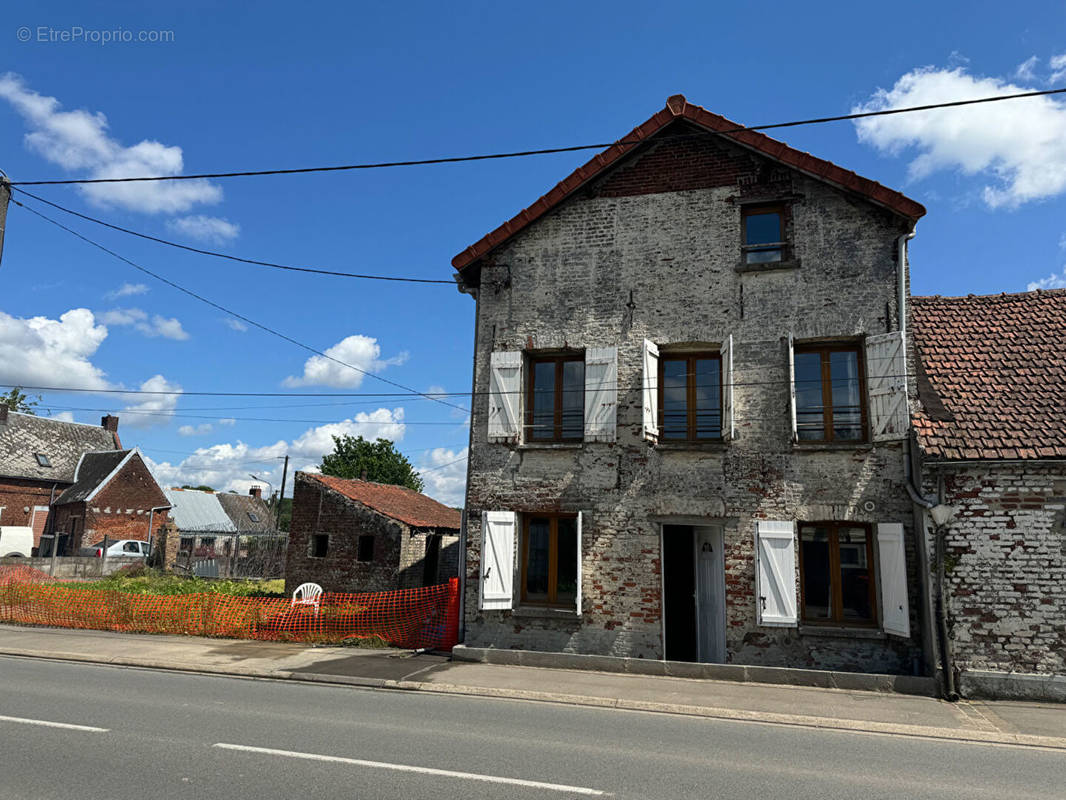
{"x":764,"y":235}
{"x":319,"y":545}
{"x":42,"y":459}
{"x":366,"y":549}
{"x":253,"y":517}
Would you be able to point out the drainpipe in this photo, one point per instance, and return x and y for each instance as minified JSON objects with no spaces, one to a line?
{"x":901,"y":274}
{"x":947,"y":663}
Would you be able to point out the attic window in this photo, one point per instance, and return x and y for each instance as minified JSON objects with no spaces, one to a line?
{"x":42,"y":459}
{"x":253,"y":517}
{"x":764,"y":234}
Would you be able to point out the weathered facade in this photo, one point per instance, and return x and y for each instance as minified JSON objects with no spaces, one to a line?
{"x":359,"y":536}
{"x":991,"y":428}
{"x":694,"y":546}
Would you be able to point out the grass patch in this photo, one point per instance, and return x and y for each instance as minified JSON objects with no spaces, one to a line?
{"x":141,"y":580}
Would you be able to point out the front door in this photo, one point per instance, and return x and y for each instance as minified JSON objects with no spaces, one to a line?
{"x":693,"y":593}
{"x":710,"y":594}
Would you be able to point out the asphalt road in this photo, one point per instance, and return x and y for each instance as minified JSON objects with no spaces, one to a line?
{"x":157,"y":734}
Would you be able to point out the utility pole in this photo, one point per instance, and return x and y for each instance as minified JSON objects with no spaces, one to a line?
{"x":281,"y":497}
{"x":5,"y":195}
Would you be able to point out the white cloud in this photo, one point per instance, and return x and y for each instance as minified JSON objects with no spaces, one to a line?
{"x":227,"y":466}
{"x":1058,"y":68}
{"x":1050,"y":282}
{"x":153,"y":409}
{"x":38,"y":351}
{"x":79,"y":140}
{"x":227,"y":421}
{"x":359,"y":351}
{"x":63,"y":416}
{"x":1020,"y":145}
{"x":236,"y":324}
{"x":214,"y":230}
{"x":127,"y":290}
{"x":156,"y":325}
{"x":195,"y":430}
{"x":444,"y":473}
{"x":1026,"y":71}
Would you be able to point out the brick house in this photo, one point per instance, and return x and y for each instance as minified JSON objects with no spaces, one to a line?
{"x":38,"y":459}
{"x":689,"y":430}
{"x":250,"y":513}
{"x":991,"y":430}
{"x":201,"y":521}
{"x":114,"y":495}
{"x":360,"y":536}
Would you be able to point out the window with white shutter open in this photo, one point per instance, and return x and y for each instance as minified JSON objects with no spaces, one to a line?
{"x":792,"y":383}
{"x":886,"y":368}
{"x":651,"y":390}
{"x":497,"y":559}
{"x":775,"y":573}
{"x":895,"y":610}
{"x":505,"y":391}
{"x":728,"y":425}
{"x":601,"y":393}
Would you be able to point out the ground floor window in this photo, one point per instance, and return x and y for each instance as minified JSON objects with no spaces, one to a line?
{"x":836,"y":573}
{"x":549,"y":560}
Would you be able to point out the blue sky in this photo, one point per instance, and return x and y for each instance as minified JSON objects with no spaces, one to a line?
{"x":265,"y":86}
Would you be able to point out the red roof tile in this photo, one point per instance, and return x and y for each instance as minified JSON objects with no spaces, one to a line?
{"x":991,"y":375}
{"x":677,"y":107}
{"x":398,"y":502}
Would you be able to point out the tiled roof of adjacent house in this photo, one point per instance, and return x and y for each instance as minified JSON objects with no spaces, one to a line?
{"x":678,"y":108}
{"x":92,"y":469}
{"x":194,"y":510}
{"x":398,"y":502}
{"x":991,"y":375}
{"x":23,"y":436}
{"x":249,"y":514}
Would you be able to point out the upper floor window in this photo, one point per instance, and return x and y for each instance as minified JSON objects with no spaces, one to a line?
{"x":764,"y":234}
{"x":690,"y":396}
{"x":555,"y":408}
{"x":830,"y":403}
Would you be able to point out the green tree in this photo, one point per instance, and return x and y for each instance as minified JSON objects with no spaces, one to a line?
{"x":200,"y":488}
{"x":381,"y":461}
{"x":18,"y":400}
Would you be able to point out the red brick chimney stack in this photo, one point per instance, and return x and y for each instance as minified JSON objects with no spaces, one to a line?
{"x":109,"y":423}
{"x":3,"y":413}
{"x":256,"y":492}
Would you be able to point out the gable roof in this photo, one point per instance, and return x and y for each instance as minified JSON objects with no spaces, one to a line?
{"x":194,"y":510}
{"x":991,"y":375}
{"x":398,"y":502}
{"x":678,"y":108}
{"x":93,"y":471}
{"x":240,"y":507}
{"x":25,"y":435}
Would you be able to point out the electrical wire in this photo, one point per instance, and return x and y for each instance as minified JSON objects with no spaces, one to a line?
{"x":541,"y":151}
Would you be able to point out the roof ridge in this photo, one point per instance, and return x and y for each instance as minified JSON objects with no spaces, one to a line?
{"x":1033,"y":293}
{"x":57,"y":421}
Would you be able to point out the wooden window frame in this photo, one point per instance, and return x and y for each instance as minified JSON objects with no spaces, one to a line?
{"x":690,"y":394}
{"x":782,"y":245}
{"x":837,"y":598}
{"x":825,"y":350}
{"x":553,"y":557}
{"x":557,"y":424}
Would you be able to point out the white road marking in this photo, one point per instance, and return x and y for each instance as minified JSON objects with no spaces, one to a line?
{"x":68,"y":726}
{"x":447,"y":773}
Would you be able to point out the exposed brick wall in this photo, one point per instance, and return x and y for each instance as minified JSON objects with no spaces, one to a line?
{"x":1006,"y":566}
{"x":18,"y":498}
{"x":630,"y":260}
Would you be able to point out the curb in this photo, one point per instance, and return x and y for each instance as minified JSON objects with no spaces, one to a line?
{"x":707,"y":712}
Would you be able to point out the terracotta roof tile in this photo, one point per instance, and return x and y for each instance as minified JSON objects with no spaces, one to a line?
{"x":398,"y":502}
{"x":991,"y":375}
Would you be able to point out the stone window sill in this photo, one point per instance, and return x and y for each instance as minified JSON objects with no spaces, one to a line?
{"x":817,"y":447}
{"x":551,"y":445}
{"x":841,"y":632}
{"x":770,"y":266}
{"x":544,"y":612}
{"x":714,"y":447}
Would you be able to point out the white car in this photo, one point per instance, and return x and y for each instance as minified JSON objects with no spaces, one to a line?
{"x":123,"y":548}
{"x":16,"y":541}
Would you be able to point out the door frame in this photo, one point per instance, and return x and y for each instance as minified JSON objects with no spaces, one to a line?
{"x":719,"y":527}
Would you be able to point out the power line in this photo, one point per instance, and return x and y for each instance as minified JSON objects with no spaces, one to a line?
{"x":455,"y":423}
{"x":538,"y":152}
{"x":216,"y":254}
{"x":225,"y":310}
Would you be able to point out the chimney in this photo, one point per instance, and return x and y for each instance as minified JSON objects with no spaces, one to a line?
{"x":109,"y":423}
{"x":362,"y":475}
{"x":256,"y":492}
{"x":3,"y":413}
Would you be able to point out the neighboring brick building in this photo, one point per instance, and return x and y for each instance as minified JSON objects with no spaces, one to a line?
{"x":359,"y":536}
{"x":38,"y":457}
{"x":115,"y":496}
{"x":689,"y":422}
{"x":992,"y":433}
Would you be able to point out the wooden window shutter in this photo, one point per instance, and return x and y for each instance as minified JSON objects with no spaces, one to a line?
{"x":792,"y":384}
{"x":886,"y":368}
{"x":580,"y":520}
{"x":651,"y":390}
{"x":892,"y":561}
{"x":505,"y":387}
{"x":497,"y":559}
{"x":775,"y":573}
{"x":601,"y":393}
{"x":728,"y":424}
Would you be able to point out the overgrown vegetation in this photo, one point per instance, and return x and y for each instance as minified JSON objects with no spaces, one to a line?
{"x":141,"y":580}
{"x":379,"y":461}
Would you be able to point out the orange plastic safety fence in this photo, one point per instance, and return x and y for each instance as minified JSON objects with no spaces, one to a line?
{"x":410,"y":618}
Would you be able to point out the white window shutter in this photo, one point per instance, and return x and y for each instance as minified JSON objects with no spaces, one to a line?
{"x":651,"y":390}
{"x":601,"y":393}
{"x":505,"y":388}
{"x":886,"y":370}
{"x":580,"y":520}
{"x":497,"y":559}
{"x":895,"y":610}
{"x":775,"y":573}
{"x":792,"y":384}
{"x":728,"y":426}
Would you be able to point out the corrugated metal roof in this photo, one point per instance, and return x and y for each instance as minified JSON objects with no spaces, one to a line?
{"x":198,"y":511}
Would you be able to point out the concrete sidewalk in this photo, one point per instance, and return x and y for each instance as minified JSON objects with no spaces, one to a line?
{"x":1028,"y":724}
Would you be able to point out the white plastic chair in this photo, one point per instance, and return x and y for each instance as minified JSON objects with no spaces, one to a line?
{"x":307,"y":594}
